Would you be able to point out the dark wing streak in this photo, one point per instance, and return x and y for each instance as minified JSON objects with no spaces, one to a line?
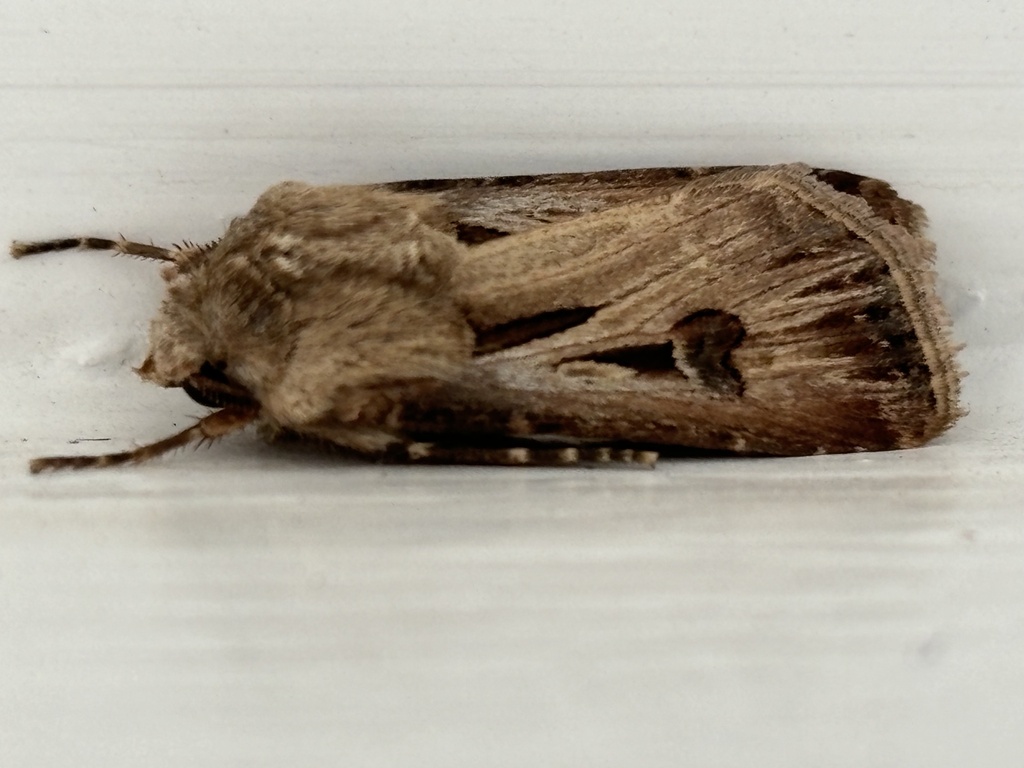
{"x":488,"y":207}
{"x":485,"y":208}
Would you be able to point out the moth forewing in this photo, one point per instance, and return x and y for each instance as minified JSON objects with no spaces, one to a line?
{"x":561,"y":319}
{"x":841,"y":345}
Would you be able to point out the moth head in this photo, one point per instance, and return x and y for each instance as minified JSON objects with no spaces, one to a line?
{"x":334,"y":280}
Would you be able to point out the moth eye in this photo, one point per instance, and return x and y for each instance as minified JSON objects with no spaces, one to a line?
{"x":214,"y":370}
{"x":212,"y":387}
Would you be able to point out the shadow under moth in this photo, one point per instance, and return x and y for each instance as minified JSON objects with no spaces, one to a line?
{"x":558,"y":319}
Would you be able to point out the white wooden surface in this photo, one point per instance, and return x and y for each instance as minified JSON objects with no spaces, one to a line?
{"x":242,"y":606}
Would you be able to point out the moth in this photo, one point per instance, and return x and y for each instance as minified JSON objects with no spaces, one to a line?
{"x":558,"y":319}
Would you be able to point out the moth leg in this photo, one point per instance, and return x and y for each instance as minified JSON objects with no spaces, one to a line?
{"x":126,"y":247}
{"x":210,"y":427}
{"x":564,"y":456}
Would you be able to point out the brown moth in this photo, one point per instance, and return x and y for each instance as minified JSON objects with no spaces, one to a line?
{"x":559,"y":319}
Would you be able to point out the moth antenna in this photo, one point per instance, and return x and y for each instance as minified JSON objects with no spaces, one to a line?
{"x":122,"y":246}
{"x":207,"y":429}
